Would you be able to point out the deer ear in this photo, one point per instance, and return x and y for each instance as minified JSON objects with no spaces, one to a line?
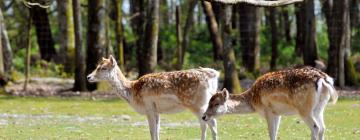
{"x":225,"y":93}
{"x":112,"y":61}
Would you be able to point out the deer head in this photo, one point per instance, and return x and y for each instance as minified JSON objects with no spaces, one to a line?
{"x":217,"y":105}
{"x":103,"y":70}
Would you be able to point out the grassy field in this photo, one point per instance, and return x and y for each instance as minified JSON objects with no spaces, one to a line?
{"x":74,"y":118}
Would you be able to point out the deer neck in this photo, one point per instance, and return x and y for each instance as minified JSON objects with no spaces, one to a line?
{"x":121,"y":84}
{"x":240,"y":104}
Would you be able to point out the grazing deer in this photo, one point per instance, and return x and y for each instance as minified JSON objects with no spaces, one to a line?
{"x":164,"y":92}
{"x":304,"y":91}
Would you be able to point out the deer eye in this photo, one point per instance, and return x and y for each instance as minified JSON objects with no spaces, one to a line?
{"x":103,"y":68}
{"x":217,"y":104}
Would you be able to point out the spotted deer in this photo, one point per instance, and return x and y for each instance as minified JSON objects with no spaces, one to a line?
{"x":163,"y":92}
{"x":303,"y":91}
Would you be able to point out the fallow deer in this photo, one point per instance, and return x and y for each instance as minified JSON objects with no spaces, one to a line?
{"x":304,"y":91}
{"x":163,"y":92}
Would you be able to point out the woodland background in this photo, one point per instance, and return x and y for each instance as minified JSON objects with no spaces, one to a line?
{"x":69,"y":37}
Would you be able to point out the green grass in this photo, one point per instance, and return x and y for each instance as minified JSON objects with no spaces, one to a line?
{"x":75,"y":118}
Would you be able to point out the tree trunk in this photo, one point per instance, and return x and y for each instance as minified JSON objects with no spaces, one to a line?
{"x":2,"y":72}
{"x":287,"y":23}
{"x":307,"y":27}
{"x":338,"y":21}
{"x":137,"y":24}
{"x":179,"y":40}
{"x":66,"y":30}
{"x":231,"y":81}
{"x":213,"y":27}
{"x":164,"y":11}
{"x":96,"y":40}
{"x":249,"y":36}
{"x":274,"y":37}
{"x":355,"y":14}
{"x":119,"y":34}
{"x":148,"y":57}
{"x":187,"y":28}
{"x":27,"y":54}
{"x":43,"y":33}
{"x":6,"y":48}
{"x":300,"y":30}
{"x":80,"y":80}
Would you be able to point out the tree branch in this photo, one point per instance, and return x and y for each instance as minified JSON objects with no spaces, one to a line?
{"x":31,"y":4}
{"x":262,"y":3}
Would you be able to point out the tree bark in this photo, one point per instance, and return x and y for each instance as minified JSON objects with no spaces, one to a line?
{"x":66,"y":30}
{"x":310,"y":50}
{"x":179,"y":40}
{"x":2,"y":72}
{"x":148,"y":57}
{"x":249,"y":36}
{"x":137,"y":24}
{"x":6,"y":48}
{"x":231,"y":81}
{"x":306,"y":39}
{"x":80,"y":80}
{"x":273,"y":13}
{"x":338,"y":21}
{"x":119,"y":34}
{"x":287,"y":23}
{"x":43,"y":33}
{"x":27,"y":53}
{"x":213,"y":29}
{"x":96,"y":40}
{"x":187,"y":28}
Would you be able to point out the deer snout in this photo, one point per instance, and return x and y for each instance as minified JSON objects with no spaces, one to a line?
{"x":205,"y":118}
{"x":90,"y":78}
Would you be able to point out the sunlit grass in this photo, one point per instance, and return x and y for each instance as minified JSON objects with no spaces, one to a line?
{"x":75,"y":118}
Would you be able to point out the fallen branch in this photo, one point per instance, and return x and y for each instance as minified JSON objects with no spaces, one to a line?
{"x":262,"y":3}
{"x":31,"y":4}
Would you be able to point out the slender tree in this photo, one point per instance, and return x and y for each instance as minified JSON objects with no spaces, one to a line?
{"x":273,"y":13}
{"x":80,"y":80}
{"x":187,"y":28}
{"x":43,"y":32}
{"x":231,"y":81}
{"x":96,"y":37}
{"x":307,"y":26}
{"x":148,"y":57}
{"x":6,"y":48}
{"x":66,"y":32}
{"x":285,"y":17}
{"x":119,"y":32}
{"x":249,"y":36}
{"x":27,"y":56}
{"x":179,"y":40}
{"x":338,"y":21}
{"x":213,"y":27}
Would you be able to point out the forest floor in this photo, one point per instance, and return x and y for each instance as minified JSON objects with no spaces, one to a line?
{"x":60,"y":113}
{"x":46,"y":87}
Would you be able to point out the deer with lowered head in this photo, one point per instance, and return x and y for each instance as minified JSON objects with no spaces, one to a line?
{"x":303,"y":91}
{"x":163,"y":92}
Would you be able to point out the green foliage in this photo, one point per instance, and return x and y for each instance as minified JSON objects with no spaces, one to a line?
{"x":75,"y":118}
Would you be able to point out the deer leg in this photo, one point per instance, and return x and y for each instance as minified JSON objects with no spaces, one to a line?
{"x":319,"y":117}
{"x":154,"y":122}
{"x":203,"y":127}
{"x":313,"y":125}
{"x":152,"y":125}
{"x":213,"y":127}
{"x":157,"y":130}
{"x":273,"y":122}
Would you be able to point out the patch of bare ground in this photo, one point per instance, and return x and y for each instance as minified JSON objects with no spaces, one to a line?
{"x":45,"y":87}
